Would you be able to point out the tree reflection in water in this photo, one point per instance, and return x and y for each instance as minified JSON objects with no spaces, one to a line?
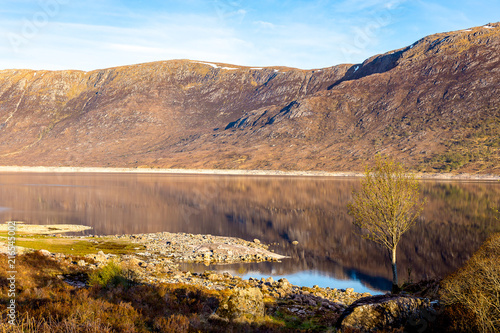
{"x":458,"y":217}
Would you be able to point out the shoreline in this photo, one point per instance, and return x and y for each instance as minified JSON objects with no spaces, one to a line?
{"x":156,"y":258}
{"x":234,"y":172}
{"x":152,"y":269}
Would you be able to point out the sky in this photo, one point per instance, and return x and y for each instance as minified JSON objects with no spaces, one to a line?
{"x":96,"y":34}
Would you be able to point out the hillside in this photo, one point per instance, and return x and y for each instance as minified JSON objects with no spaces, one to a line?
{"x":434,"y":104}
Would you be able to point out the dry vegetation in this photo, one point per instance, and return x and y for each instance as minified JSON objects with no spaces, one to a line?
{"x":472,"y":294}
{"x":116,"y":303}
{"x":474,"y":149}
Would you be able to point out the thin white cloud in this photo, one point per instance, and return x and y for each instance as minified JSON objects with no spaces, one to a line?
{"x":358,"y":6}
{"x":264,"y":25}
{"x":135,"y":48}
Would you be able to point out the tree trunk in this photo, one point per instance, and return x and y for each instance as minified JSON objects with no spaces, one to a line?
{"x":395,"y":286}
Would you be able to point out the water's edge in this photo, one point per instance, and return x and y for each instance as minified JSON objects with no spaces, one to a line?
{"x":46,"y":169}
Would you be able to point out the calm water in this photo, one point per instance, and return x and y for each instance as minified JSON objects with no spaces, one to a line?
{"x":457,"y":219}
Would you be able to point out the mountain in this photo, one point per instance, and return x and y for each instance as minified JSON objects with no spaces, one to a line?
{"x":434,"y":105}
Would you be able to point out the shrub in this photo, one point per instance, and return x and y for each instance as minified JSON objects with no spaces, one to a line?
{"x":110,"y":275}
{"x":475,"y":288}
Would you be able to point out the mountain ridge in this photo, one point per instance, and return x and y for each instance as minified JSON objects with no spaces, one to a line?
{"x":424,"y":104}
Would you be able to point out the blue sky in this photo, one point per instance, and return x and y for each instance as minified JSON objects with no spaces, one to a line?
{"x":94,"y":34}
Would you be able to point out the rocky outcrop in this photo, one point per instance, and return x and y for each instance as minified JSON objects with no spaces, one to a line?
{"x":424,"y":104}
{"x":385,"y":312}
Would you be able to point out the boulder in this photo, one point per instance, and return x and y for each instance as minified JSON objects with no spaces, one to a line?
{"x":214,"y":277}
{"x":384,"y":312}
{"x":44,"y":253}
{"x":247,"y":303}
{"x":100,"y":257}
{"x":284,"y":285}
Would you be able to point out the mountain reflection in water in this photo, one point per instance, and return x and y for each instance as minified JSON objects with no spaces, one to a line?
{"x":458,"y":217}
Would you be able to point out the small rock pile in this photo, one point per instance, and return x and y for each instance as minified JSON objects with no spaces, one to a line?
{"x":182,"y":247}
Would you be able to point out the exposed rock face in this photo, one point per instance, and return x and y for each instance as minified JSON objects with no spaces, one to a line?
{"x":415,"y":103}
{"x":385,"y":312}
{"x":243,"y":303}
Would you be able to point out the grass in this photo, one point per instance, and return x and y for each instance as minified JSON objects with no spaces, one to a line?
{"x":77,"y":247}
{"x":296,"y":323}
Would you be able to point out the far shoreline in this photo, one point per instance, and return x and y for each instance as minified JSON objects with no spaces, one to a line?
{"x":235,"y":172}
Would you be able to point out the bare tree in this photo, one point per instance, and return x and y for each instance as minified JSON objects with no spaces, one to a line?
{"x":386,"y":206}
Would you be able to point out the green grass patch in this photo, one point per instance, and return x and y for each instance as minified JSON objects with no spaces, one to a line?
{"x":77,"y":247}
{"x":297,"y":323}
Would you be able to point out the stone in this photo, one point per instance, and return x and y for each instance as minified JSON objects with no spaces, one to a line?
{"x":44,"y":253}
{"x":213,"y":277}
{"x":248,"y":303}
{"x":256,"y":241}
{"x":82,"y":263}
{"x":100,"y":257}
{"x":295,"y":243}
{"x":384,"y":313}
{"x":283,"y":281}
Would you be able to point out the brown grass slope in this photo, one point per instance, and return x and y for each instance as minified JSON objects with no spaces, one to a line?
{"x":434,"y":104}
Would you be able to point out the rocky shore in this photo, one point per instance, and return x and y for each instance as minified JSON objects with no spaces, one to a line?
{"x":158,"y":263}
{"x":155,"y":258}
